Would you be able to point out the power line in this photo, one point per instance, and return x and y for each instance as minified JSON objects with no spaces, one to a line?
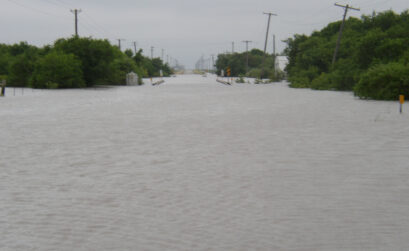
{"x":346,"y":7}
{"x":32,"y":9}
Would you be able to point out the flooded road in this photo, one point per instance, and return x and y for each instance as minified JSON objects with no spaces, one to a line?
{"x":196,"y":165}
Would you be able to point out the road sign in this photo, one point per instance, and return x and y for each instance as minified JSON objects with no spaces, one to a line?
{"x":228,"y":71}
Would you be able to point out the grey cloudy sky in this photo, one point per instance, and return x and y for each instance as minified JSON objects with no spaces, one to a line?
{"x":185,"y":29}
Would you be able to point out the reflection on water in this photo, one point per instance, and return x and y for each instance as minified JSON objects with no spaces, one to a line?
{"x":193,"y":164}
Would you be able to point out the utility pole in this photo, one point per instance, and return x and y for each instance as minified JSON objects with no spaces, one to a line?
{"x":232,"y":47}
{"x":76,"y":11}
{"x":274,"y":45}
{"x":247,"y":54}
{"x":119,"y":42}
{"x":167,"y":59}
{"x":152,"y":52}
{"x":346,"y":7}
{"x":134,"y":46}
{"x":265,"y":44}
{"x":268,"y":27}
{"x":212,"y":62}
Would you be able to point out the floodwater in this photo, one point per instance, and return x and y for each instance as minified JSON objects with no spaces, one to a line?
{"x":196,"y":165}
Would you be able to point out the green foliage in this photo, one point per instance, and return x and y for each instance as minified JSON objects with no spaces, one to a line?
{"x":254,"y":73}
{"x":240,"y":80}
{"x":380,"y":39}
{"x":260,"y":65}
{"x":74,"y":62}
{"x":95,"y":55}
{"x":21,"y":69}
{"x":120,"y":67}
{"x":384,"y":81}
{"x":151,"y":67}
{"x":57,"y":70}
{"x":129,"y":53}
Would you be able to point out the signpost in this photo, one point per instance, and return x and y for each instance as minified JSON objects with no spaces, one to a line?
{"x":3,"y":88}
{"x":228,"y":74}
{"x":401,"y":101}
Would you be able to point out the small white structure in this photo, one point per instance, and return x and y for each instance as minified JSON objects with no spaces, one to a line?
{"x":132,"y":78}
{"x":280,"y":63}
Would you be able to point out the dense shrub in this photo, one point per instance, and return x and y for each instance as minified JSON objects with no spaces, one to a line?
{"x":384,"y":81}
{"x":20,"y":70}
{"x":371,"y":51}
{"x":95,"y":55}
{"x":120,"y":67}
{"x":57,"y":70}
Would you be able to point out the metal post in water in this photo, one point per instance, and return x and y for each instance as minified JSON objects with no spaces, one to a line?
{"x":3,"y":88}
{"x":401,"y":101}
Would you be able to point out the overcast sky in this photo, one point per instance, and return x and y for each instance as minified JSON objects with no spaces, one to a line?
{"x":185,"y":29}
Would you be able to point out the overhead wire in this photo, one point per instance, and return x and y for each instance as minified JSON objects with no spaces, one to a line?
{"x":32,"y":8}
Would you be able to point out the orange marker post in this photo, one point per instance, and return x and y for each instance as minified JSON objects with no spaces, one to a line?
{"x":401,"y":101}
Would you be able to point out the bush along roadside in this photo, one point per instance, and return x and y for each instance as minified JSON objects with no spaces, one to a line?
{"x":372,"y":58}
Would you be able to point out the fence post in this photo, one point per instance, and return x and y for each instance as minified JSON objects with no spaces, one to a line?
{"x":3,"y":88}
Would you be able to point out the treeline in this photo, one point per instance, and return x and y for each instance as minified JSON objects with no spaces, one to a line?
{"x":256,"y":68}
{"x":74,"y":63}
{"x":373,"y":58}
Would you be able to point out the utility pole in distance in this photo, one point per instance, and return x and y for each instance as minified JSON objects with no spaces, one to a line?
{"x":212,"y":62}
{"x":232,"y":47}
{"x":119,"y":42}
{"x":268,"y":27}
{"x":134,"y":46}
{"x":265,"y":44}
{"x":346,"y":7}
{"x":76,"y":11}
{"x":247,"y":53}
{"x":274,"y":45}
{"x":152,"y":52}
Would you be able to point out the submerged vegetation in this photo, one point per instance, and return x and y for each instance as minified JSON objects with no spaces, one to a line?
{"x":259,"y":65}
{"x":74,"y":63}
{"x":373,"y":60}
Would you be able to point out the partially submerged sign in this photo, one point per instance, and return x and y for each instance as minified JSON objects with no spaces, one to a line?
{"x":132,"y":78}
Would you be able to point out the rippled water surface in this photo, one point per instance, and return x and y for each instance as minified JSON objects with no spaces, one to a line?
{"x":196,"y":165}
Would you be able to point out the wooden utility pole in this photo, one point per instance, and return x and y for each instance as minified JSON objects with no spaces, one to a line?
{"x":274,"y":45}
{"x":268,"y":27}
{"x":346,"y":7}
{"x":76,"y":11}
{"x":134,"y":46}
{"x":265,"y":44}
{"x":152,"y":52}
{"x":247,"y":54}
{"x":119,"y":42}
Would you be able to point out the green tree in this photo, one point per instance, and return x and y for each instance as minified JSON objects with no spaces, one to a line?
{"x":95,"y":55}
{"x":58,"y":70}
